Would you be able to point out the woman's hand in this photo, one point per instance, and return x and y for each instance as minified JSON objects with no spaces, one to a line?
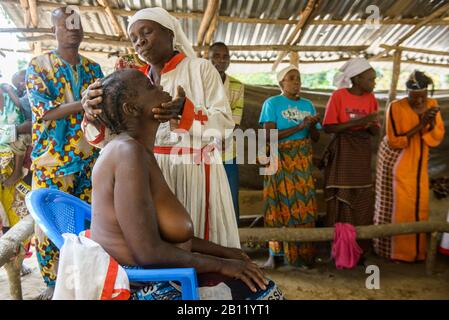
{"x":429,"y":115}
{"x":92,"y":97}
{"x":172,"y":109}
{"x":370,"y":118}
{"x":248,"y":272}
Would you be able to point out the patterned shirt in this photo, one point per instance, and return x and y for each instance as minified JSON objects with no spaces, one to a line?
{"x":59,"y":146}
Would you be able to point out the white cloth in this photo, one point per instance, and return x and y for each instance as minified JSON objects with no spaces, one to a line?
{"x":444,"y":247}
{"x":349,"y":70}
{"x":204,"y":89}
{"x":161,"y":16}
{"x":281,"y":74}
{"x":86,"y":272}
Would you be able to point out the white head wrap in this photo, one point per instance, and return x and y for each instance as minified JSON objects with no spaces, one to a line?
{"x":350,"y":69}
{"x":281,"y":74}
{"x":161,"y":16}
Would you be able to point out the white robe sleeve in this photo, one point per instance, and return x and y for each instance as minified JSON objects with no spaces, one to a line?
{"x":209,"y":115}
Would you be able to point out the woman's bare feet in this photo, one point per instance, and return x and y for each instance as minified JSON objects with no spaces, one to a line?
{"x":272,"y":263}
{"x":47,"y":294}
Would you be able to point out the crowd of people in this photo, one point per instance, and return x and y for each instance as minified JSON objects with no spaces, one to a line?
{"x":157,"y":202}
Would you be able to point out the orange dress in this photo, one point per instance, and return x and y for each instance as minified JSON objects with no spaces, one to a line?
{"x":402,"y":182}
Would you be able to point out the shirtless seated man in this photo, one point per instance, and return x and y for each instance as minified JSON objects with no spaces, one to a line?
{"x":135,"y":216}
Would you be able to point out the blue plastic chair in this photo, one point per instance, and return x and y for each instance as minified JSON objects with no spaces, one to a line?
{"x":57,"y":212}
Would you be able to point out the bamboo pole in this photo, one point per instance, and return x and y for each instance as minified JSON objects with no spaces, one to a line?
{"x":210,"y":33}
{"x":114,"y":21}
{"x":437,"y":14}
{"x":211,"y":10}
{"x":395,"y":77}
{"x":13,"y":269}
{"x":327,"y":234}
{"x":10,"y":243}
{"x":48,"y":31}
{"x":12,"y":253}
{"x":294,"y":58}
{"x":418,"y":50}
{"x":298,"y":28}
{"x":289,"y":48}
{"x":127,"y":44}
{"x":26,"y":12}
{"x":432,"y":241}
{"x":33,"y":13}
{"x":199,"y":16}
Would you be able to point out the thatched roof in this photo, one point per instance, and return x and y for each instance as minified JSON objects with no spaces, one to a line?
{"x":264,"y":31}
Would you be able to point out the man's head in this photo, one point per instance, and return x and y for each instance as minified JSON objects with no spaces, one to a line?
{"x":128,"y":100}
{"x":152,"y":41}
{"x":18,"y":80}
{"x":66,"y":25}
{"x":219,"y":56}
{"x":365,"y":81}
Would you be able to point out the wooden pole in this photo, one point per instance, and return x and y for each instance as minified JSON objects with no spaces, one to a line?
{"x":437,"y":14}
{"x":432,"y":241}
{"x":26,"y":12}
{"x":294,"y":58}
{"x":33,"y":13}
{"x":327,"y":234}
{"x":199,"y":16}
{"x":10,"y":243}
{"x":289,"y":48}
{"x":13,"y":269}
{"x":418,"y":50}
{"x":210,"y":34}
{"x":115,"y":23}
{"x":211,"y":9}
{"x":12,"y":253}
{"x":395,"y":77}
{"x":296,"y":32}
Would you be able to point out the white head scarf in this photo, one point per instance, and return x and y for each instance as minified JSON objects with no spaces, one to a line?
{"x":349,"y":70}
{"x":281,"y":74}
{"x":161,"y":16}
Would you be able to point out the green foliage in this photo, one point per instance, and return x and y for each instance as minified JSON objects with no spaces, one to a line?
{"x":324,"y":79}
{"x":22,"y":64}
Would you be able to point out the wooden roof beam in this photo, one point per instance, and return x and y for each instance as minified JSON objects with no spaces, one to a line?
{"x":437,"y":14}
{"x":213,"y":6}
{"x":417,"y":50}
{"x":114,"y":21}
{"x":311,"y":5}
{"x":199,"y":16}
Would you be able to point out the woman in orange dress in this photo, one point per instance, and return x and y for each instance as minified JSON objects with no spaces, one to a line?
{"x":413,"y":125}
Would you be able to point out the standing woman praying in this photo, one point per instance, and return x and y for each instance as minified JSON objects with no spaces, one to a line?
{"x":289,"y":194}
{"x":414,"y":125}
{"x":351,"y":116}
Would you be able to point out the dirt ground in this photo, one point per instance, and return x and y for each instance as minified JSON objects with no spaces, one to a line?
{"x":397,"y":281}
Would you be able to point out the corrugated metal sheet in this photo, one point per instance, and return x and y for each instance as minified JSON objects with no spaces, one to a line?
{"x":430,"y":37}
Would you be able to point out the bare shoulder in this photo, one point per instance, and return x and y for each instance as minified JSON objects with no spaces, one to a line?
{"x":128,"y":150}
